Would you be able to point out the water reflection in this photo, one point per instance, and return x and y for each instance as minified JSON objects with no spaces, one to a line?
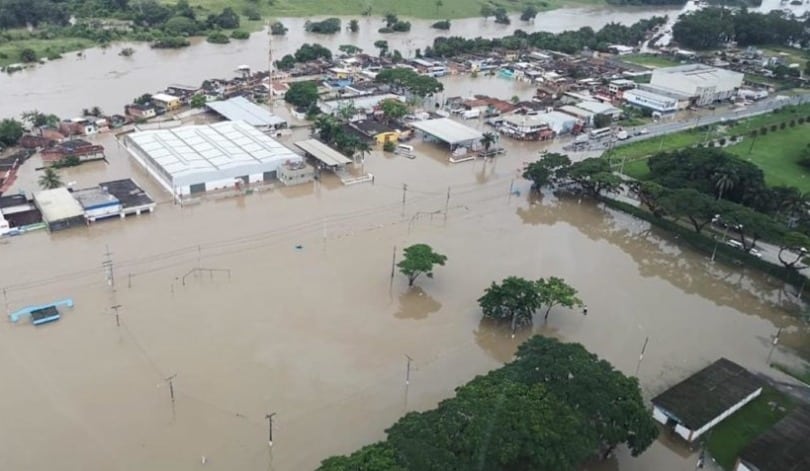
{"x":416,"y":304}
{"x":496,"y":339}
{"x":657,"y":254}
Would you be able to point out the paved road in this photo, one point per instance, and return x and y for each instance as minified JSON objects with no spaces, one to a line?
{"x":697,"y":119}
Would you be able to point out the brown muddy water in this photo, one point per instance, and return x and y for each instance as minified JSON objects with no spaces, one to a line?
{"x":103,"y":78}
{"x":318,"y":334}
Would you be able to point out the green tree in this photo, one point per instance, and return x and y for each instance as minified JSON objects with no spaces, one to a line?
{"x":349,"y":49}
{"x":487,"y":11}
{"x":377,"y":457}
{"x":501,"y":16}
{"x":347,"y":111}
{"x":547,"y":170}
{"x":181,"y":26}
{"x":354,"y":26}
{"x":529,"y":13}
{"x":439,"y":4}
{"x":382,"y":45}
{"x":198,"y":100}
{"x":556,"y":292}
{"x":749,"y":225}
{"x":38,"y":119}
{"x":252,"y":13}
{"x":11,"y":131}
{"x":227,"y":19}
{"x":699,"y":208}
{"x":286,"y":63}
{"x":407,"y":80}
{"x":650,"y":195}
{"x":608,"y":401}
{"x":393,"y":109}
{"x":796,"y":244}
{"x":514,"y":300}
{"x":277,"y":28}
{"x":302,"y":94}
{"x":487,"y":139}
{"x":725,"y":179}
{"x":363,"y":148}
{"x":50,"y":180}
{"x":419,"y":259}
{"x":594,"y":176}
{"x":327,"y":128}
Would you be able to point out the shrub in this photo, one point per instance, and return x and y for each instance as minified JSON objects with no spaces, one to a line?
{"x":218,"y":38}
{"x":773,"y":128}
{"x":444,"y":25}
{"x":252,"y":13}
{"x":722,"y":141}
{"x":28,"y":55}
{"x":239,"y":34}
{"x":782,"y":125}
{"x":389,"y":146}
{"x":278,"y":29}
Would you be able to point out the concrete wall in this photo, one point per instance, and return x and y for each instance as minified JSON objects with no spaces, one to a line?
{"x":102,"y":212}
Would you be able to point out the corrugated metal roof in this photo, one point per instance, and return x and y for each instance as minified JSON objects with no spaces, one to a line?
{"x":322,"y":152}
{"x":197,"y":154}
{"x":447,"y":130}
{"x":241,"y":109}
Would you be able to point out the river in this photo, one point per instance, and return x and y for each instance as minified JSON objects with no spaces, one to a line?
{"x":308,"y":323}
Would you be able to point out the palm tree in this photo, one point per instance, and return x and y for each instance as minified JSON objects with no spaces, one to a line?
{"x":487,"y":140}
{"x":363,"y":148}
{"x":50,"y":179}
{"x":325,"y":127}
{"x":724,"y":180}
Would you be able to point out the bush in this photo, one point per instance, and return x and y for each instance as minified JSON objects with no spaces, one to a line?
{"x":722,"y":141}
{"x":801,"y":120}
{"x":793,"y":123}
{"x":252,"y":13}
{"x":278,"y":29}
{"x":28,"y":55}
{"x":443,"y":25}
{"x":239,"y":34}
{"x":327,"y":26}
{"x":170,"y":42}
{"x":389,"y":146}
{"x":773,"y":128}
{"x":782,"y":125}
{"x":218,"y":38}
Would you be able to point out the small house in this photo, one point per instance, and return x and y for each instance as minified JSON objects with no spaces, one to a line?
{"x":376,"y":130}
{"x":783,"y":447}
{"x":294,"y":172}
{"x":78,"y":148}
{"x":701,"y":401}
{"x":59,"y":209}
{"x":97,"y":203}
{"x":166,"y":101}
{"x":140,"y":111}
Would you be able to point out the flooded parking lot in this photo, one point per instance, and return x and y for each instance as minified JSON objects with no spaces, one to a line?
{"x":282,"y":301}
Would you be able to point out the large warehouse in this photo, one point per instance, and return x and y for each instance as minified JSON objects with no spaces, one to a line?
{"x":194,"y":159}
{"x":704,"y":84}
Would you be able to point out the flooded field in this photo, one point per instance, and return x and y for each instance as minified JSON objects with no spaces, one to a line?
{"x":282,"y":301}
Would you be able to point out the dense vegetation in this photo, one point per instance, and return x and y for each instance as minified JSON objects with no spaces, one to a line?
{"x":711,"y":28}
{"x":552,"y":408}
{"x":567,"y":41}
{"x":327,"y":26}
{"x":408,"y":81}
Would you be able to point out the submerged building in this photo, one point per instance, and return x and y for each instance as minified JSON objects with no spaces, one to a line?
{"x":195,"y":159}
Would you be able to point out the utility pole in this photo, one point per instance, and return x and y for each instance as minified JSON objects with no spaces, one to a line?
{"x":446,"y":205}
{"x":774,"y":342}
{"x":5,"y":299}
{"x":404,"y":193}
{"x":108,"y":267}
{"x":641,"y":356}
{"x":393,"y":263}
{"x":511,"y":190}
{"x":269,"y":64}
{"x":170,"y":380}
{"x":408,"y":370}
{"x":117,"y":319}
{"x":269,"y":418}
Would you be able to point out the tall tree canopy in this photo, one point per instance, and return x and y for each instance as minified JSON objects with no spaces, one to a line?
{"x":551,"y":409}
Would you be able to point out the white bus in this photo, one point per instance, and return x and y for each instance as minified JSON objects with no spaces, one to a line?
{"x":597,"y":133}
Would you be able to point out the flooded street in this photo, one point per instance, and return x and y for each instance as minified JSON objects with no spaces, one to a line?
{"x":318,"y":334}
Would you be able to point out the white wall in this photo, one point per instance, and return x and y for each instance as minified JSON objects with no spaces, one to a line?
{"x":725,"y":414}
{"x":742,"y":467}
{"x":99,"y":213}
{"x":659,"y":415}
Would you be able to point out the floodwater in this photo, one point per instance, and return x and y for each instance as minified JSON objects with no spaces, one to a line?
{"x":103,"y":78}
{"x":282,"y":301}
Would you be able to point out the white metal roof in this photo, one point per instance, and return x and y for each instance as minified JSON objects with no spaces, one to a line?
{"x":241,"y":109}
{"x":447,"y":130}
{"x":597,"y":107}
{"x":197,"y":154}
{"x":57,"y":204}
{"x":164,"y":97}
{"x":323,"y":152}
{"x":364,"y":102}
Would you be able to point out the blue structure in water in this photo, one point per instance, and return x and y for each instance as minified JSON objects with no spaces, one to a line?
{"x":41,"y":314}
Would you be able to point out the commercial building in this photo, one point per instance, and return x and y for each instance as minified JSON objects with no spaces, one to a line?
{"x":97,"y":203}
{"x":702,"y":83}
{"x":597,"y":107}
{"x":649,"y":100}
{"x":194,"y":159}
{"x":241,"y":109}
{"x":133,"y":199}
{"x":18,"y":213}
{"x":525,"y":127}
{"x":75,"y":148}
{"x":328,"y":158}
{"x":59,"y":209}
{"x":166,"y":101}
{"x":452,"y":133}
{"x":363,"y":104}
{"x":703,"y":400}
{"x":783,"y":447}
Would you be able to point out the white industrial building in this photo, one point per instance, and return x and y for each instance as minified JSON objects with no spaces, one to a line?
{"x":241,"y":109}
{"x":702,"y":83}
{"x":194,"y":159}
{"x":650,"y":100}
